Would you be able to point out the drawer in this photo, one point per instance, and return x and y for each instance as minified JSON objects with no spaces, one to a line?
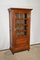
{"x":21,"y":41}
{"x":21,"y":48}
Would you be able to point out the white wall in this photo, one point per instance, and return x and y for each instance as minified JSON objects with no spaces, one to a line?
{"x":4,"y":20}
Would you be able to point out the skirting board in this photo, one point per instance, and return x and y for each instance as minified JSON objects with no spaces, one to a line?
{"x":35,"y":44}
{"x":30,"y":45}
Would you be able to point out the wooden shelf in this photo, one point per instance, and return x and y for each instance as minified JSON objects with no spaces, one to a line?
{"x":22,"y":18}
{"x":21,"y":25}
{"x":21,"y":30}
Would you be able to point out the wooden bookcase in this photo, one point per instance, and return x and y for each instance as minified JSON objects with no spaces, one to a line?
{"x":19,"y":26}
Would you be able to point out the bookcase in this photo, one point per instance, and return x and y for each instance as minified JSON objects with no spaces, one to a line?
{"x":19,"y":27}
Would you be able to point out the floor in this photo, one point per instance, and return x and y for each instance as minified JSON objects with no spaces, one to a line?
{"x":33,"y":54}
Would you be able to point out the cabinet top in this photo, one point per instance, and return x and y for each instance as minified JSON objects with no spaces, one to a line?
{"x":19,"y":9}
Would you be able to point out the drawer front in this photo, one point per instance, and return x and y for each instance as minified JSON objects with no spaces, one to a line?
{"x":20,"y":47}
{"x":21,"y":41}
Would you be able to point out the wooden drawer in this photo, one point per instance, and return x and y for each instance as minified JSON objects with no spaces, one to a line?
{"x":21,"y":41}
{"x":20,"y":48}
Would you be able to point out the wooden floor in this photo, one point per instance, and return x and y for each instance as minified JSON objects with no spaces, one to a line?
{"x":33,"y":54}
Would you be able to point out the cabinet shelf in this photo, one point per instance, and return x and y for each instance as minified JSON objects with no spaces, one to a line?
{"x":22,"y":18}
{"x":21,"y":30}
{"x":21,"y":25}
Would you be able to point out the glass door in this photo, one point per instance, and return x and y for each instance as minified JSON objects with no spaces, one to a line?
{"x":21,"y":24}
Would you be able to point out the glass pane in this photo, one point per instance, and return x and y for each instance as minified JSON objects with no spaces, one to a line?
{"x":19,"y":33}
{"x":17,"y":15}
{"x":19,"y":21}
{"x":22,"y":16}
{"x":28,"y":15}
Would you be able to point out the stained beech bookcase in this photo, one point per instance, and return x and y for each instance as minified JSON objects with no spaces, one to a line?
{"x":19,"y":26}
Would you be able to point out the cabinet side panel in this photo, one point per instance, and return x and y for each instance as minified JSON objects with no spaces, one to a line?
{"x":10,"y":29}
